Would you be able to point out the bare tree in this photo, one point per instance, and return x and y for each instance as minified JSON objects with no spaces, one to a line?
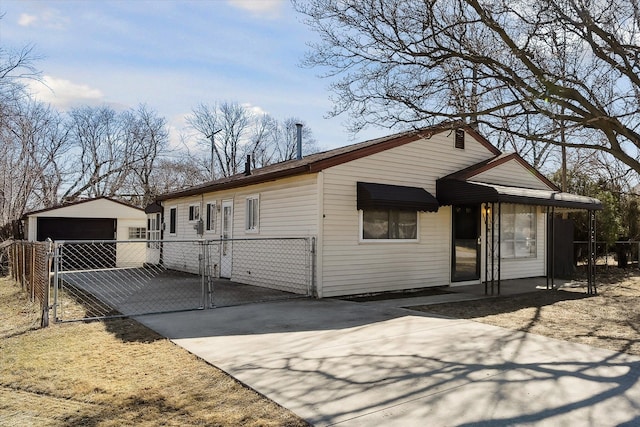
{"x":393,"y":60}
{"x":148,"y":135}
{"x":225,"y":129}
{"x":111,"y":147}
{"x":285,"y":139}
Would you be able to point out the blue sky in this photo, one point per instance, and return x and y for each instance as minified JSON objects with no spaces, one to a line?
{"x":173,"y":55}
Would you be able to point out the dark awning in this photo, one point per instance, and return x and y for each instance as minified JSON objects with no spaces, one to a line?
{"x":383,"y":196}
{"x":457,"y":192}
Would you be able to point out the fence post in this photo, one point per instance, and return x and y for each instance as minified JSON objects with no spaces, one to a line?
{"x":47,"y":284}
{"x":203,"y":274}
{"x":56,"y":266}
{"x":313,"y":291}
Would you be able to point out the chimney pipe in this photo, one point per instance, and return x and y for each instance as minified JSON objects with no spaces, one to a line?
{"x":299,"y":141}
{"x":247,"y":166}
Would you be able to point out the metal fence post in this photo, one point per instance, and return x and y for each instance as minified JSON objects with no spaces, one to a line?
{"x":203,"y":274}
{"x":313,"y":290}
{"x":56,"y":271}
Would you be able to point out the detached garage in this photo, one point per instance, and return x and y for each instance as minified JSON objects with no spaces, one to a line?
{"x":94,"y":219}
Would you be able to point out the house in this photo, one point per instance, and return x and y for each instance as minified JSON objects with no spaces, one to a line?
{"x":95,"y":219}
{"x":430,"y":207}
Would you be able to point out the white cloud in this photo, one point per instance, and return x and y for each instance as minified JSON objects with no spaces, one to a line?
{"x":268,"y":8}
{"x":47,"y":18}
{"x":25,"y":19}
{"x":257,"y":110}
{"x":65,"y":93}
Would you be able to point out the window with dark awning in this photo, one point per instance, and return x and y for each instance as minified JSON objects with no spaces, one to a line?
{"x":384,"y":196}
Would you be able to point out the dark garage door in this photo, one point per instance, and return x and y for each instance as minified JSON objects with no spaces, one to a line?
{"x":82,"y":256}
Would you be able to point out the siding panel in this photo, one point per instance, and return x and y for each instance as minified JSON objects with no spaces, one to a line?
{"x":350,"y":266}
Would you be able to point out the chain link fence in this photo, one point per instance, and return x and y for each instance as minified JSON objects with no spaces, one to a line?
{"x":29,"y":265}
{"x":100,"y":279}
{"x":623,"y":254}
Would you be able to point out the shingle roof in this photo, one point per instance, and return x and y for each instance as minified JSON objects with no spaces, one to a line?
{"x":316,"y":162}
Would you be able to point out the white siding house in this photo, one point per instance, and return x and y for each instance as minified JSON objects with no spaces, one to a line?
{"x":395,"y":213}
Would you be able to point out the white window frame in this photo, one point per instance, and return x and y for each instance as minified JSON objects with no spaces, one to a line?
{"x":137,"y":233}
{"x":361,"y":238}
{"x":252,"y":214}
{"x":194,"y":212}
{"x":533,"y":231}
{"x":175,"y":225}
{"x":211,"y":216}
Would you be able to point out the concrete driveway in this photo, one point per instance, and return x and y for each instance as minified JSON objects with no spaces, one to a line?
{"x":358,"y":364}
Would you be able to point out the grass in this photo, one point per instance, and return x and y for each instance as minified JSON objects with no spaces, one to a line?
{"x":609,"y":320}
{"x":113,"y":373}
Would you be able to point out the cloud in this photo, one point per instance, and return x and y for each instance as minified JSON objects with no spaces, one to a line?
{"x":65,"y":93}
{"x":25,"y":19}
{"x":257,"y":110}
{"x":267,"y":8}
{"x":47,"y":18}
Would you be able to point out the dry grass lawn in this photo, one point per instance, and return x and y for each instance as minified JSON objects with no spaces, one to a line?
{"x":113,"y":373}
{"x":610,"y":320}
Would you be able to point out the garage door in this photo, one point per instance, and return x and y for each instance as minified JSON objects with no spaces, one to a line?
{"x":82,"y":256}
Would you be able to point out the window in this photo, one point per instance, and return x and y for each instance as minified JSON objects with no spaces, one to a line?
{"x":194,"y":212}
{"x":210,"y":223}
{"x":389,"y":224}
{"x":459,"y":142}
{"x":518,"y":231}
{"x":252,"y":218}
{"x":172,"y":220}
{"x":137,"y":233}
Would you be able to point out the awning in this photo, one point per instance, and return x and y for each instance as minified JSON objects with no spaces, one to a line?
{"x":457,"y":192}
{"x":383,"y":196}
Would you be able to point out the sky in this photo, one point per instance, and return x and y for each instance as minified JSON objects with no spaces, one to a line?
{"x":174,"y":55}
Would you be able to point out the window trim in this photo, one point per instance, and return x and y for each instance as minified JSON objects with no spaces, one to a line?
{"x":194,"y":208}
{"x":513,"y":241}
{"x":361,"y":238}
{"x":139,"y":231}
{"x":173,"y":220}
{"x":256,"y":227}
{"x":211,"y":224}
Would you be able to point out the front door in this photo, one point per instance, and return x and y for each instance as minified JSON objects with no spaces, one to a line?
{"x":226,"y":249}
{"x":466,"y":244}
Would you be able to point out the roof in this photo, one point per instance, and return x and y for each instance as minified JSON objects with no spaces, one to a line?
{"x":319,"y":161}
{"x":454,"y":191}
{"x":65,"y":205}
{"x":494,"y":162}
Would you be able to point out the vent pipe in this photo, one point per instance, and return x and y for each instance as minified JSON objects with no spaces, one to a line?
{"x":247,"y":165}
{"x":299,"y":141}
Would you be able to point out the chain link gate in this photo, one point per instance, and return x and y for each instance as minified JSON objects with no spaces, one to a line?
{"x":102,"y":279}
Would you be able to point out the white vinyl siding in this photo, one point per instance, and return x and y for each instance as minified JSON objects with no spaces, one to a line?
{"x":350,"y":266}
{"x":511,"y":173}
{"x":288,"y":208}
